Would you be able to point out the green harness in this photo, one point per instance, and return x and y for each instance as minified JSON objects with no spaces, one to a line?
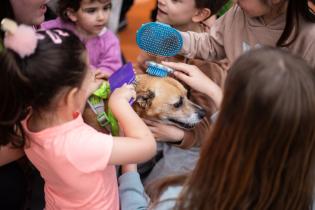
{"x":96,"y":102}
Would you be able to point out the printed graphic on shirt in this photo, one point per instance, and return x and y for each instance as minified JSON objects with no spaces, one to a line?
{"x":247,"y":47}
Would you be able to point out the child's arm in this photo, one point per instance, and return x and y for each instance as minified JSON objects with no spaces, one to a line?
{"x":9,"y":154}
{"x":110,"y":57}
{"x":138,"y":145}
{"x":133,"y":196}
{"x":207,"y":45}
{"x":131,"y":190}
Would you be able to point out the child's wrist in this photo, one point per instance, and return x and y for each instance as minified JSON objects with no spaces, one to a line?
{"x":117,"y":102}
{"x":216,"y":94}
{"x":129,"y":168}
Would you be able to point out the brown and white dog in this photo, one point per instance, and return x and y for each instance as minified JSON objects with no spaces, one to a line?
{"x":165,"y":100}
{"x":160,"y":99}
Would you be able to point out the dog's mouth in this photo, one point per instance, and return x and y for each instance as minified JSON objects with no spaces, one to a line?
{"x":181,"y":124}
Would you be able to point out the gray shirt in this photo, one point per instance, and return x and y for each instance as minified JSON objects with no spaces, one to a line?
{"x":133,"y":196}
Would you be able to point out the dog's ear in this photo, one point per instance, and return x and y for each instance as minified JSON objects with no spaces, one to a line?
{"x":145,"y":98}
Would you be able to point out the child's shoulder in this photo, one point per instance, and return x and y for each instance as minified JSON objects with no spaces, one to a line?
{"x":55,"y":23}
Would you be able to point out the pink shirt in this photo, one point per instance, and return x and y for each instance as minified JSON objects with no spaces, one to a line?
{"x":73,"y":160}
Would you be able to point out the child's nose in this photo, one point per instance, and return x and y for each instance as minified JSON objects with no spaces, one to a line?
{"x":161,"y":1}
{"x":101,"y":15}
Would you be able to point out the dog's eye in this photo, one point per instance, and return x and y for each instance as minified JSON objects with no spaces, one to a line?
{"x":179,"y":103}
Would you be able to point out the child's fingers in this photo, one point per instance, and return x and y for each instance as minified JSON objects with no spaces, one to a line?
{"x":183,"y":67}
{"x":149,"y":122}
{"x":102,"y":75}
{"x":131,"y":90}
{"x":181,"y":76}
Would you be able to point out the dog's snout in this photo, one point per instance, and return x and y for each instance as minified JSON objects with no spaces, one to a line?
{"x":201,"y":113}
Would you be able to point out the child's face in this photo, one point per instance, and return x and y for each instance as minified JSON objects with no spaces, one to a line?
{"x":92,"y":17}
{"x":176,"y":12}
{"x":29,"y":12}
{"x":253,"y":8}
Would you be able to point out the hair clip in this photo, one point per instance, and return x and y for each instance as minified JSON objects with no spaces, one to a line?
{"x":21,"y":39}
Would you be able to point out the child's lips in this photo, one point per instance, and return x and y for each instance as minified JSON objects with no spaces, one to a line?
{"x":99,"y":26}
{"x":162,"y":12}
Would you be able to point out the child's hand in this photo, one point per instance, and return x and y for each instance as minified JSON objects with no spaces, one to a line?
{"x":92,"y":83}
{"x":194,"y":77}
{"x":129,"y":168}
{"x":164,"y":132}
{"x":99,"y":74}
{"x":125,"y":93}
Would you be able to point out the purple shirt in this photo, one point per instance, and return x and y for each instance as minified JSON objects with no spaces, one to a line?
{"x":103,"y":49}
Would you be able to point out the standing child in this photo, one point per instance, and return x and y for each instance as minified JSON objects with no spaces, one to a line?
{"x":88,"y":20}
{"x":181,"y":151}
{"x":17,"y":187}
{"x":255,"y":23}
{"x":46,"y":82}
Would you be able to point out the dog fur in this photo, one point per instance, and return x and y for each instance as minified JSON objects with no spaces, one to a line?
{"x":165,"y":100}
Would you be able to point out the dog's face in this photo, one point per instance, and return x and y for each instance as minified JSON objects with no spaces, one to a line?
{"x":165,"y":100}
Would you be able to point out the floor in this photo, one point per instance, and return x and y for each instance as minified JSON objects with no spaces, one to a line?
{"x":137,"y":15}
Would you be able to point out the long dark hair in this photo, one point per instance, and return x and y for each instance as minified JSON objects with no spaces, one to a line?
{"x":63,"y":5}
{"x":261,"y":152}
{"x":35,"y":80}
{"x":296,"y":9}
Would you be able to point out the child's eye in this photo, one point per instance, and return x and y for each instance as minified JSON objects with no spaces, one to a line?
{"x":107,"y":7}
{"x":175,"y":1}
{"x":89,"y":10}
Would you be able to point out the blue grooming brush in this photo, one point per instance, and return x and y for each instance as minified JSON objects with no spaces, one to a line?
{"x":123,"y":75}
{"x":158,"y":70}
{"x":159,"y":39}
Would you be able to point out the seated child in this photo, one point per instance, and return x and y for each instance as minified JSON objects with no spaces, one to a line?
{"x":182,"y":150}
{"x":88,"y":20}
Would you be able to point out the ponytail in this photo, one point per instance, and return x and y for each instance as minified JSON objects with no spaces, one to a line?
{"x":15,"y":97}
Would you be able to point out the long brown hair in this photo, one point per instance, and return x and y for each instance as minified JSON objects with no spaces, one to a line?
{"x":261,"y":152}
{"x":296,"y":9}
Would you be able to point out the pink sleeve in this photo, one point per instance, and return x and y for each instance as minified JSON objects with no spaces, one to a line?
{"x":110,"y":58}
{"x":56,"y":23}
{"x":89,"y":150}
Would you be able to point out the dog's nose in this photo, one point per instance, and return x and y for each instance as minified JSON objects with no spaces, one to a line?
{"x":201,"y":113}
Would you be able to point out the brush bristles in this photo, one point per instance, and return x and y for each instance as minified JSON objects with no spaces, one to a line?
{"x":159,"y":39}
{"x":158,"y":70}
